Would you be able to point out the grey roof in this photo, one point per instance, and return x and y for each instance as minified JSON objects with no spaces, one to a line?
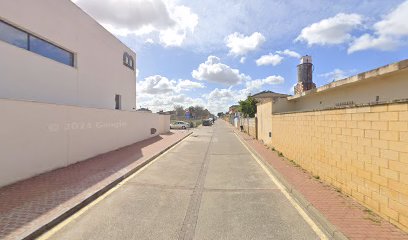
{"x":268,"y":94}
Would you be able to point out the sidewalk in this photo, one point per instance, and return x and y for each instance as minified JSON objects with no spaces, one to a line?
{"x":349,"y":217}
{"x":30,"y":205}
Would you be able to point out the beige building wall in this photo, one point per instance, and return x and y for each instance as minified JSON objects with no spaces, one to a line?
{"x":264,"y":114}
{"x":39,"y":137}
{"x":98,"y":74}
{"x":362,"y":151}
{"x":389,"y":83}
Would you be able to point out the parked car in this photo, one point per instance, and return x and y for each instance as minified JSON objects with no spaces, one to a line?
{"x":207,"y":122}
{"x":179,"y":125}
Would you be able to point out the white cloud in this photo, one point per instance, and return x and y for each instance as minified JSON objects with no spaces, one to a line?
{"x":274,"y":80}
{"x":219,"y":100}
{"x":388,"y":32}
{"x":257,"y":84}
{"x":157,"y":85}
{"x":270,"y":59}
{"x":367,"y":41}
{"x":184,"y":85}
{"x":186,"y":21}
{"x":161,"y":85}
{"x":214,"y":71}
{"x":334,"y":30}
{"x":150,"y":41}
{"x":159,"y":93}
{"x":221,"y":93}
{"x":395,"y":23}
{"x":168,"y":101}
{"x":242,"y":60}
{"x":240,"y":44}
{"x":335,"y":75}
{"x":289,"y":53}
{"x":170,"y":21}
{"x":129,"y":14}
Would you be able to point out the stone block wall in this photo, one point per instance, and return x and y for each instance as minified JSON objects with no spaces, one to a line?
{"x":363,"y":151}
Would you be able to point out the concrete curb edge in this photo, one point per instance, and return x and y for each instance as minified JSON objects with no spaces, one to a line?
{"x":305,"y":204}
{"x":54,"y":222}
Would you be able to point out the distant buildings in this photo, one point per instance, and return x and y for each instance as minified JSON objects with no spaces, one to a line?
{"x":233,"y":109}
{"x":267,"y":95}
{"x":144,"y":110}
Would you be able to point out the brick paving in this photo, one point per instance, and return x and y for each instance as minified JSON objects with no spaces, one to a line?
{"x":30,"y":204}
{"x":349,"y":217}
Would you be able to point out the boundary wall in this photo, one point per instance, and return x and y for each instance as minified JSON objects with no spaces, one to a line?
{"x":39,"y":137}
{"x":264,"y":128}
{"x":362,"y":151}
{"x":249,"y":125}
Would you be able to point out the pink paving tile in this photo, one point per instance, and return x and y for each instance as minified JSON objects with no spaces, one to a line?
{"x":351,"y":220}
{"x":27,"y":205}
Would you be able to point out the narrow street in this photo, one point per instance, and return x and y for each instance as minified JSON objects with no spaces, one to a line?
{"x":207,"y":187}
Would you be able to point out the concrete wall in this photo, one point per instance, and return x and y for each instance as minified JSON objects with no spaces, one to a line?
{"x":264,"y":114}
{"x":39,"y":137}
{"x":164,"y":121}
{"x":98,"y":74}
{"x":249,"y":126}
{"x":362,"y":151}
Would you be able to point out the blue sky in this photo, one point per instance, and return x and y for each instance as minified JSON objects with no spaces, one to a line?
{"x":214,"y":53}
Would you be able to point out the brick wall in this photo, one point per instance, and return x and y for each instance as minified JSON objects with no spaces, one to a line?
{"x":362,"y":151}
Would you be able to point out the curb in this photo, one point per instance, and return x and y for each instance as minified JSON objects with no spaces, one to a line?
{"x":100,"y":192}
{"x":333,"y":232}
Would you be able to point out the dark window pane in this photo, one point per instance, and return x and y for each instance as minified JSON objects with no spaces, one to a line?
{"x":50,"y":51}
{"x":128,"y":61}
{"x":13,"y":35}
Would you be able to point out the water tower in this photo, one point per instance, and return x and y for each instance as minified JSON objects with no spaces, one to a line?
{"x":305,"y":75}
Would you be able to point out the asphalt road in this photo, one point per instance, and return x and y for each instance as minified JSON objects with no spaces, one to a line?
{"x":208,"y":187}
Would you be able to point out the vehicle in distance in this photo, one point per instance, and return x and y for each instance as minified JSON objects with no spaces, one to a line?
{"x":179,"y":125}
{"x":207,"y":122}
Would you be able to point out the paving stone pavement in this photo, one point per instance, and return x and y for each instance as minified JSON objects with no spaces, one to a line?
{"x":348,"y":216}
{"x":30,"y":204}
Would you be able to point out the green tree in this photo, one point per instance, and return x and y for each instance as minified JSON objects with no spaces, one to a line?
{"x":248,"y":107}
{"x":179,"y":110}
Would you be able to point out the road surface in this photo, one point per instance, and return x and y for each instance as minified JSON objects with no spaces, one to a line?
{"x":207,"y":187}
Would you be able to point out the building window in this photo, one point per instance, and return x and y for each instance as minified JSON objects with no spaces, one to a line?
{"x":131,"y":63}
{"x":118,"y":102}
{"x":13,"y":35}
{"x":51,"y":51}
{"x":34,"y":44}
{"x":128,"y":61}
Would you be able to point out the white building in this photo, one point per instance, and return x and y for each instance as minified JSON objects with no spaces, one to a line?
{"x":62,"y":75}
{"x":53,"y":52}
